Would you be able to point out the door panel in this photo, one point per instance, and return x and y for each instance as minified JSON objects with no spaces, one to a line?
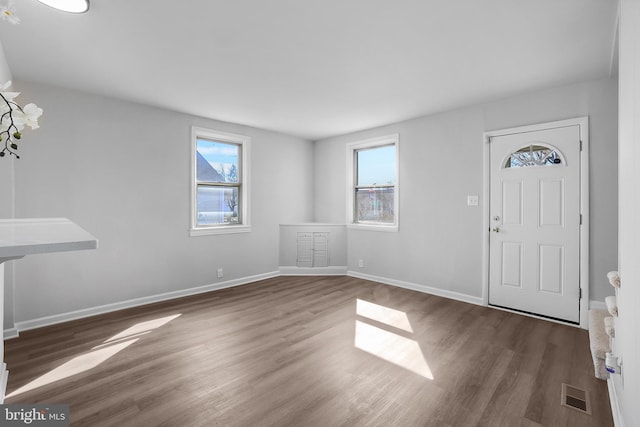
{"x":551,"y":202}
{"x":534,"y":258}
{"x":512,"y":264}
{"x":512,"y":202}
{"x":551,"y":274}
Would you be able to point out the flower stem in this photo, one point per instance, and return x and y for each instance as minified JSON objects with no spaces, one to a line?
{"x":8,"y":141}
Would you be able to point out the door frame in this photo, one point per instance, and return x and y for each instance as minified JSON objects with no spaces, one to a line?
{"x":583,"y":124}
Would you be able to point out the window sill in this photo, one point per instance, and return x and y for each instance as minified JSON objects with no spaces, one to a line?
{"x":224,"y":229}
{"x":393,"y":228}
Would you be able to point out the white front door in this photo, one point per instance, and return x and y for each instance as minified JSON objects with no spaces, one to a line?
{"x":534,"y":244}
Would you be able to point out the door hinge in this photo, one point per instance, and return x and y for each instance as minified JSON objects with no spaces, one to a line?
{"x":580,"y":294}
{"x":580,"y":145}
{"x":580,"y":219}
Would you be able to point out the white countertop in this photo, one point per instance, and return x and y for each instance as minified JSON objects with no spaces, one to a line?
{"x":20,"y":237}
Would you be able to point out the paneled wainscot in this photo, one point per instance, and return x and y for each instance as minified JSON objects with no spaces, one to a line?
{"x":313,"y":248}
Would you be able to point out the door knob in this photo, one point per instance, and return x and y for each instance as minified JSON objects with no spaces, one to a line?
{"x":496,"y":229}
{"x":496,"y":218}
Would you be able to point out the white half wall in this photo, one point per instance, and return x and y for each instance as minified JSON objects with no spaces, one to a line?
{"x":337,"y":244}
{"x":122,"y":171}
{"x":440,"y":239}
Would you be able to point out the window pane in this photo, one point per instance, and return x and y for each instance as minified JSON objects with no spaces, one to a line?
{"x":217,"y":161}
{"x":533,"y":155}
{"x":374,"y":205}
{"x":217,"y":205}
{"x":376,"y":166}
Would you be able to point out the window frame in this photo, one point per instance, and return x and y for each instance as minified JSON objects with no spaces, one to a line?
{"x":244,"y":224}
{"x":352,"y":170}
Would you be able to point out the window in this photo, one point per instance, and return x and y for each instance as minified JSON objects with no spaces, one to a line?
{"x":534,"y":155}
{"x":219,"y":196}
{"x":372,"y":168}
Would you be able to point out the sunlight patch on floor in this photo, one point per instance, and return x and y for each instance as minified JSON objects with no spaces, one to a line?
{"x":393,"y":348}
{"x":379,"y":313}
{"x":98,"y":354}
{"x":74,"y":366}
{"x":142,"y":328}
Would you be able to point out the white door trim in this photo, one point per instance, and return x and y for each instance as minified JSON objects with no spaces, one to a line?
{"x":583,"y":123}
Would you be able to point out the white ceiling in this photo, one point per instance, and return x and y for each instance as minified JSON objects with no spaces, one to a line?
{"x":313,"y":68}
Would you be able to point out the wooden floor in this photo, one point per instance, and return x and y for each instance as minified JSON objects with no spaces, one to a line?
{"x":308,"y":351}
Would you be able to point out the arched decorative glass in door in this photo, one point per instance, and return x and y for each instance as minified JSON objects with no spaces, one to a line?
{"x":535,"y":154}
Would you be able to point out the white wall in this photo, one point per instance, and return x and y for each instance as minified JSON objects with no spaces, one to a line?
{"x":5,"y":71}
{"x":627,"y":341}
{"x":440,"y":241}
{"x":121,"y":171}
{"x":6,"y":201}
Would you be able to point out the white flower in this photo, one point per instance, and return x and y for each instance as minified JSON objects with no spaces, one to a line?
{"x":30,"y":115}
{"x":5,"y":103}
{"x":14,"y":118}
{"x":8,"y":13}
{"x":5,"y":122}
{"x":9,"y":96}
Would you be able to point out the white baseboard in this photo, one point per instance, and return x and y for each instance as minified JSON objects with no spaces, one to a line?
{"x":284,"y":271}
{"x":420,"y":288}
{"x":4,"y":377}
{"x":618,"y":421}
{"x":313,"y":271}
{"x":10,"y":333}
{"x":79,"y":314}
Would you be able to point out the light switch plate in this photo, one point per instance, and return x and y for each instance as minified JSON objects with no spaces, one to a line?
{"x":472,"y":200}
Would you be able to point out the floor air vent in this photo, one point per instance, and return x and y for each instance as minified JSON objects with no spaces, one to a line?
{"x":576,"y":398}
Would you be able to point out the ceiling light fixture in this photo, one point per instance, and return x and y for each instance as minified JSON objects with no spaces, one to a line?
{"x":73,"y":6}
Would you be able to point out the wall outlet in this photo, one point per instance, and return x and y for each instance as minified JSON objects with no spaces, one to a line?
{"x":220,"y":273}
{"x":472,"y":200}
{"x":360,"y":263}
